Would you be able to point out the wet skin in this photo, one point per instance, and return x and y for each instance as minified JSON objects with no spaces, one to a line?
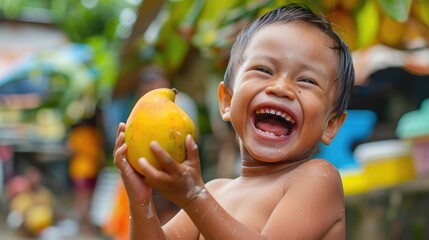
{"x":281,"y":193}
{"x":293,"y":78}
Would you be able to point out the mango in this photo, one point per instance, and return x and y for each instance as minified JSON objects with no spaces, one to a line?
{"x":37,"y":218}
{"x":345,"y":25}
{"x":392,"y":32}
{"x":156,"y":117}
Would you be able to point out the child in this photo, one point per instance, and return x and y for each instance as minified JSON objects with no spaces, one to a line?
{"x":286,"y":88}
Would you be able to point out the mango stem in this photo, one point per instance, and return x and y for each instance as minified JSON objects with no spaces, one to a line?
{"x":175,"y":91}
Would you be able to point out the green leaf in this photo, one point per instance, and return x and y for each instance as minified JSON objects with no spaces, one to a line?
{"x":368,"y":23}
{"x":209,"y":21}
{"x":171,"y":52}
{"x":11,"y":8}
{"x":396,"y":9}
{"x":424,"y":11}
{"x":216,"y":10}
{"x":192,"y":13}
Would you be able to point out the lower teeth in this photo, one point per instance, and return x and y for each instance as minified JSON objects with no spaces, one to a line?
{"x":270,"y":133}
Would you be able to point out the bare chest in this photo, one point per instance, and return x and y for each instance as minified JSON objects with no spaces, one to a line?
{"x":251,"y":204}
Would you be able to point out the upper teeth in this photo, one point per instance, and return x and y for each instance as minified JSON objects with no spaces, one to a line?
{"x":275,"y":112}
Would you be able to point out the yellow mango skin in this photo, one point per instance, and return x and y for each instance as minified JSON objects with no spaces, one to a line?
{"x":155,"y":117}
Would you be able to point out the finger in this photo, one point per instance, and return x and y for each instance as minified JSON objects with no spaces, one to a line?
{"x":119,"y":157}
{"x":191,"y":149}
{"x":167,"y":162}
{"x":119,"y":141}
{"x":122,"y":163}
{"x":121,"y":129}
{"x":152,"y":175}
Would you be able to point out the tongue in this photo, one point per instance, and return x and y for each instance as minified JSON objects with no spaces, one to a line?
{"x":272,"y":126}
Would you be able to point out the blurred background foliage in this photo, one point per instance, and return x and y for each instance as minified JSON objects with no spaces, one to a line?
{"x":123,"y":35}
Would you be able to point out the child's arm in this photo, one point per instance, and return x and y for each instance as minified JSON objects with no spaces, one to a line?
{"x":144,"y":223}
{"x":183,"y":185}
{"x":312,"y":206}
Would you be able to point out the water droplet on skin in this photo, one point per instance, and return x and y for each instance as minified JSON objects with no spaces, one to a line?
{"x":194,"y":190}
{"x":150,"y":214}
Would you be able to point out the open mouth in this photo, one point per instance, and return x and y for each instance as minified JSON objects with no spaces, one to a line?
{"x":273,"y":122}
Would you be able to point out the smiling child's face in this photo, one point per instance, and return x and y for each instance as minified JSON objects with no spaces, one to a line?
{"x":283,"y":93}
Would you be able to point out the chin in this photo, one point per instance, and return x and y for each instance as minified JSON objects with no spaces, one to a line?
{"x":269,"y":154}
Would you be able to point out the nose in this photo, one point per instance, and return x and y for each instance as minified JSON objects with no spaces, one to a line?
{"x":282,"y":88}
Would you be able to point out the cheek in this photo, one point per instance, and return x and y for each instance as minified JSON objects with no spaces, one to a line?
{"x":237,"y":114}
{"x":241,"y":99}
{"x":315,"y":111}
{"x":315,"y":124}
{"x":239,"y":111}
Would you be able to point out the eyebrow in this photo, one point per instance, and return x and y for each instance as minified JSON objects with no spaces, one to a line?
{"x":312,"y":68}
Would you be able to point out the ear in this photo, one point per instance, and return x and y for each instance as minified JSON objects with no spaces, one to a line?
{"x":224,"y":99}
{"x":332,"y":128}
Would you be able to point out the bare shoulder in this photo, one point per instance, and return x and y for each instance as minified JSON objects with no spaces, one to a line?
{"x":319,"y":169}
{"x":316,"y":186}
{"x":319,"y":174}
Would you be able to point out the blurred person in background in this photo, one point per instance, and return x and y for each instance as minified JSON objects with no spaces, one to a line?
{"x":87,"y":159}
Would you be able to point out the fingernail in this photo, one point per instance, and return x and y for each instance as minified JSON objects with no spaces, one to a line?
{"x":142,"y":161}
{"x":194,"y":144}
{"x":189,"y":137}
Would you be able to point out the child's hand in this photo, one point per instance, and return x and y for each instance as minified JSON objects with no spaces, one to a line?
{"x":178,"y":182}
{"x":137,"y":189}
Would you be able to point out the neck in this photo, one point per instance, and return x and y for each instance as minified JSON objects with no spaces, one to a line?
{"x":251,"y":167}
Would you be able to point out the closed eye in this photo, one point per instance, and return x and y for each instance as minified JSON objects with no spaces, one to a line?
{"x":309,"y":81}
{"x":263,"y":70}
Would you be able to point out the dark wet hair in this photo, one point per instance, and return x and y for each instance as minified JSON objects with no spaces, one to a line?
{"x":291,"y":13}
